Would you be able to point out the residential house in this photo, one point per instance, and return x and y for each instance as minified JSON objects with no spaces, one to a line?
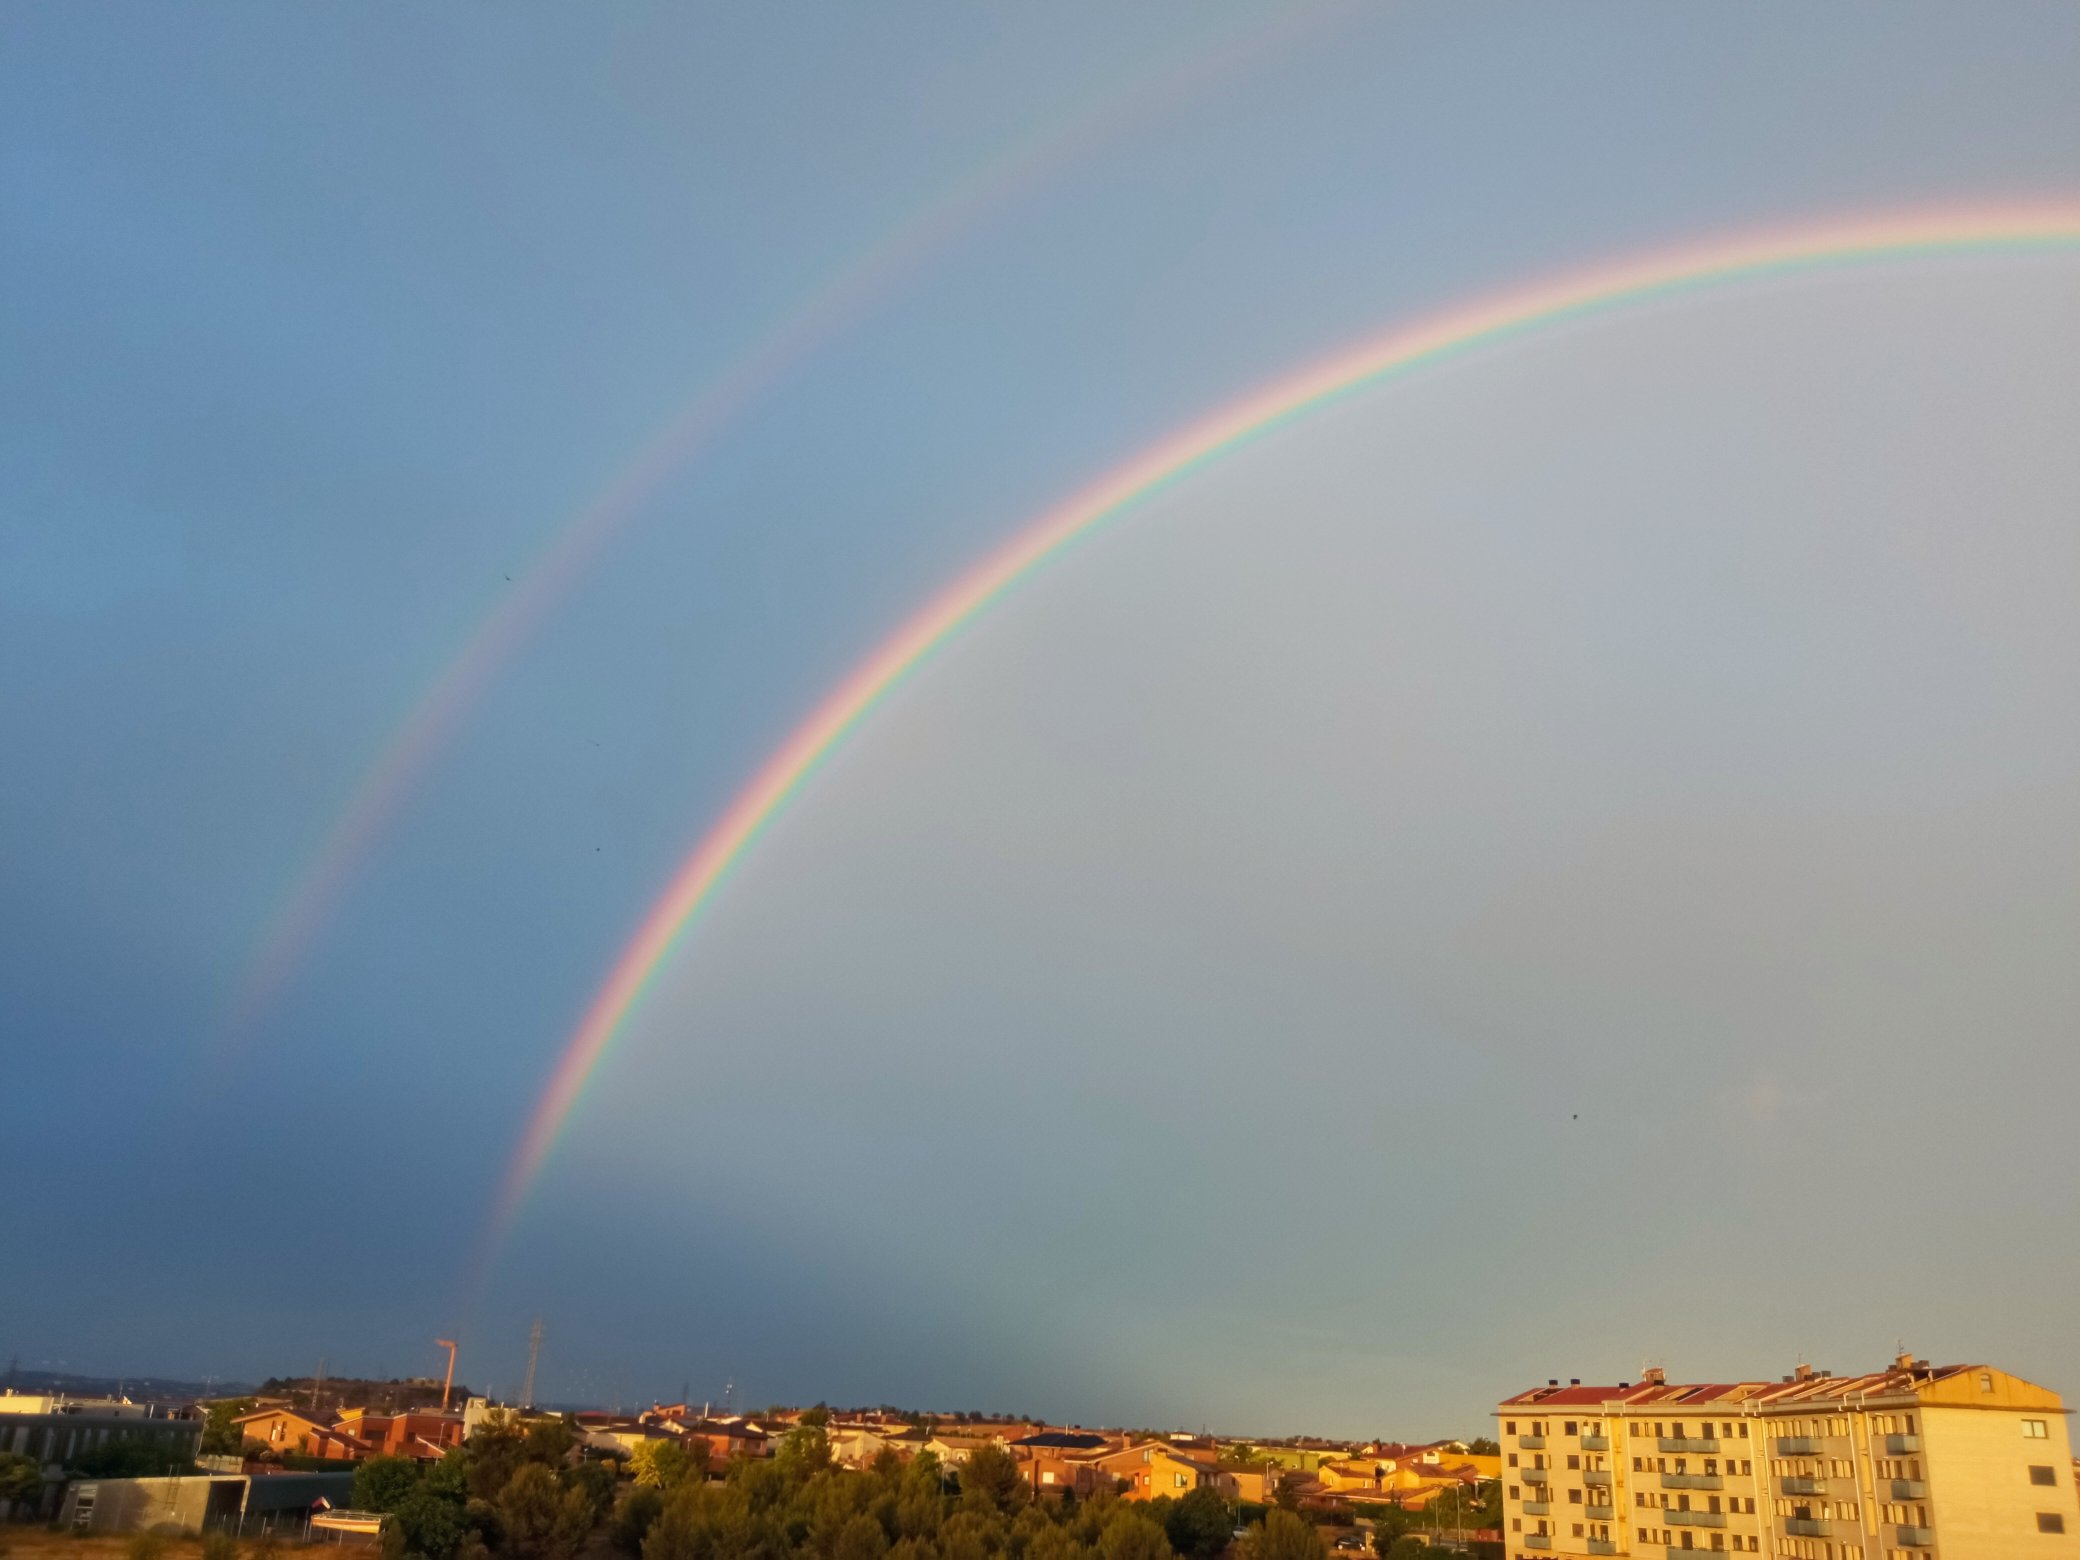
{"x":285,"y":1431}
{"x":1955,"y":1462}
{"x":1154,"y":1468}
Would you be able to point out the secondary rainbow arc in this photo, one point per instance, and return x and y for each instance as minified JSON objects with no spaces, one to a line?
{"x":2049,"y":226}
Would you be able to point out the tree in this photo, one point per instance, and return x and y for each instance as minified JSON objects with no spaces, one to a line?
{"x":220,"y":1437}
{"x":129,"y":1459}
{"x":1408,"y":1547}
{"x":382,"y":1483}
{"x":594,"y":1481}
{"x":20,"y":1479}
{"x":1285,"y":1536}
{"x":1129,"y":1535}
{"x":642,"y":1508}
{"x":426,"y":1524}
{"x":542,"y":1519}
{"x":860,"y":1539}
{"x":991,"y":1481}
{"x":1287,"y":1495}
{"x":1198,"y":1525}
{"x":1481,"y":1446}
{"x":661,"y":1465}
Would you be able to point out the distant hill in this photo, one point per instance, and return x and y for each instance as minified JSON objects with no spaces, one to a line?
{"x":137,"y":1388}
{"x":389,"y":1396}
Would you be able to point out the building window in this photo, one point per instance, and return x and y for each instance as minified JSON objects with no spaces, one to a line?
{"x":2040,"y":1474}
{"x":2050,"y":1522}
{"x":1985,"y":1381}
{"x":2033,"y":1430}
{"x":1570,"y":1427}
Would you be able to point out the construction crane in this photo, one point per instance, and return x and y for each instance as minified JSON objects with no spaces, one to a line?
{"x":447,"y":1381}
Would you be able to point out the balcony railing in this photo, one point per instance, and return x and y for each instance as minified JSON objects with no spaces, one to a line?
{"x":1538,"y":1541}
{"x":1599,"y":1477}
{"x":1603,"y":1546}
{"x":1807,"y":1527}
{"x":1915,"y":1537}
{"x":1533,"y":1475}
{"x":1689,"y":1443}
{"x":1798,"y":1446}
{"x":1910,"y":1489}
{"x":1597,"y":1513}
{"x":1695,"y":1518}
{"x":1532,"y":1443}
{"x":1692,"y":1481}
{"x":1537,"y":1508}
{"x":1596,"y":1443}
{"x":1798,"y":1485}
{"x":1898,"y":1445}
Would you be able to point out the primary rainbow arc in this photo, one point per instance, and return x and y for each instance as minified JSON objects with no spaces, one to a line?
{"x":1601,"y":289}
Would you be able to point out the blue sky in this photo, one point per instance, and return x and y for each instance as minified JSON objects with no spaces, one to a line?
{"x":1165,"y":1008}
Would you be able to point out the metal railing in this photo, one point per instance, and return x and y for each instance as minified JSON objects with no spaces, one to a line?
{"x":1692,"y":1481}
{"x":1596,"y":1443}
{"x":1799,"y":1484}
{"x":1798,"y":1446}
{"x":1915,"y":1537}
{"x":1910,"y":1489}
{"x":1689,"y":1443}
{"x":1532,"y":1443}
{"x":1694,"y":1518}
{"x":1895,"y":1445}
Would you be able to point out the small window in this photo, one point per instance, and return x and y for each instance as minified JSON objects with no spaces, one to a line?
{"x":2050,"y":1522}
{"x":1509,"y":1427}
{"x":2040,"y":1474}
{"x":2033,"y":1430}
{"x":1570,"y":1428}
{"x":1985,"y":1381}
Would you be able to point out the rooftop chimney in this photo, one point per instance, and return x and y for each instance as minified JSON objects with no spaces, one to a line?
{"x":1552,"y":1381}
{"x":1653,"y":1376}
{"x":1903,"y":1361}
{"x":1802,"y":1372}
{"x":1574,"y":1381}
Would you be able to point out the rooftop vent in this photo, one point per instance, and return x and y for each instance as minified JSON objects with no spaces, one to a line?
{"x":1552,"y":1381}
{"x":1574,"y":1381}
{"x":1624,"y":1386}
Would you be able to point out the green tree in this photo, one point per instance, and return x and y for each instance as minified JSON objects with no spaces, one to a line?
{"x":991,"y":1480}
{"x":1129,"y":1535}
{"x":1287,"y":1495}
{"x":425,"y":1523}
{"x":140,"y":1458}
{"x":860,"y":1539}
{"x":1482,"y":1446}
{"x":804,"y":1450}
{"x":220,"y":1437}
{"x":1199,"y":1525}
{"x":632,"y":1524}
{"x":21,"y":1479}
{"x":661,"y":1465}
{"x":541,"y":1519}
{"x":595,"y":1481}
{"x":382,"y":1483}
{"x":1285,"y":1536}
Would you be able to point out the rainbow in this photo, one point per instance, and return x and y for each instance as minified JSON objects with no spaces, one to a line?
{"x":848,"y":294}
{"x":1596,"y":291}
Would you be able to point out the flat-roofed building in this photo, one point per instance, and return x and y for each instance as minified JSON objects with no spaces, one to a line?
{"x":1915,"y":1462}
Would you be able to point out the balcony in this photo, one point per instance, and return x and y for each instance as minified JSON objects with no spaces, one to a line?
{"x":1898,"y":1445}
{"x":1533,"y":1475}
{"x":1915,"y":1537}
{"x":1689,"y":1443}
{"x":1807,"y":1527}
{"x":1538,"y":1541}
{"x":1599,"y":1478}
{"x":1603,"y":1546}
{"x":1805,"y":1486}
{"x":1694,"y":1518}
{"x":1798,"y":1446}
{"x":1532,"y":1443}
{"x":1538,"y":1508}
{"x":1596,"y":1443}
{"x":1600,"y":1513}
{"x":1692,"y":1481}
{"x":1910,"y":1489}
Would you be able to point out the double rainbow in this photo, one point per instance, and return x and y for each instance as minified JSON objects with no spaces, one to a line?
{"x":1599,"y":290}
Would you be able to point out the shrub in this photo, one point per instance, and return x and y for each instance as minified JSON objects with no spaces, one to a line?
{"x":146,"y":1546}
{"x":219,"y":1546}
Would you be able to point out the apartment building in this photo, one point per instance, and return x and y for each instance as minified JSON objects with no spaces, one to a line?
{"x":1915,"y":1462}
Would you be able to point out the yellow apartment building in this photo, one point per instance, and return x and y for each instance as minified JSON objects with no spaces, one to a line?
{"x":1915,"y":1462}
